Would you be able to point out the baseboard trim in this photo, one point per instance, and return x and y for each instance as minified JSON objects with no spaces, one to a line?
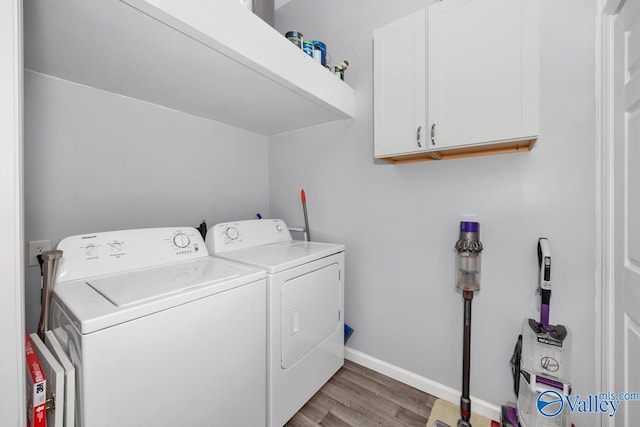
{"x":441,"y":391}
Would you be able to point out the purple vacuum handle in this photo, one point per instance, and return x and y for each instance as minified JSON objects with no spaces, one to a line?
{"x":544,"y":311}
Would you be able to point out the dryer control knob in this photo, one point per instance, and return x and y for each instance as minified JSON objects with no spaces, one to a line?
{"x":232,"y":233}
{"x":181,"y":240}
{"x":90,"y":250}
{"x":279,"y":227}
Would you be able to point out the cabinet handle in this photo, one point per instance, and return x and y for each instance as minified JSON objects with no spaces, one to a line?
{"x":418,"y":136}
{"x":433,"y":134}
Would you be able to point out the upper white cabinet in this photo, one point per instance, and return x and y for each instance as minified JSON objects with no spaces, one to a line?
{"x":482,"y":81}
{"x":213,"y":59}
{"x":483,"y":71}
{"x":399,"y":66}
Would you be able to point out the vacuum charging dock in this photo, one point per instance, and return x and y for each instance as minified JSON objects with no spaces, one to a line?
{"x":545,"y":365}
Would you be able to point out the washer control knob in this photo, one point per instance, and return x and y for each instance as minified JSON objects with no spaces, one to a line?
{"x":90,"y":250}
{"x":181,"y":240}
{"x":232,"y":233}
{"x":279,"y":228}
{"x":116,"y":247}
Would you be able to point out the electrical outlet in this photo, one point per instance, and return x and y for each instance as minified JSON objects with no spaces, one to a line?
{"x":36,"y":247}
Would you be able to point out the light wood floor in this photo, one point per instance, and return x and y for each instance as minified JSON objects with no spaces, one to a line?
{"x":357,"y":396}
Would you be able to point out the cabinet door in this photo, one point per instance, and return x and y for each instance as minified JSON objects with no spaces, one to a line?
{"x":399,"y":61}
{"x":483,"y":71}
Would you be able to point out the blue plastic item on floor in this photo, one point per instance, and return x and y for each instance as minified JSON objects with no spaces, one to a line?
{"x":348,"y":330}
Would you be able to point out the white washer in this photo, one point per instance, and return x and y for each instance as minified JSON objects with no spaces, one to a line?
{"x":161,"y":334}
{"x":305,"y":305}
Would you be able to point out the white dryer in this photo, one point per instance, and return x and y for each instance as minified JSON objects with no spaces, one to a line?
{"x":305,"y":305}
{"x":161,"y":334}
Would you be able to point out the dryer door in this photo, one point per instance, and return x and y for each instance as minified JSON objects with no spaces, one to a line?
{"x":310,"y":312}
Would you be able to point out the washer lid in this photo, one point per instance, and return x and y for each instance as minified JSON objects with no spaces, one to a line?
{"x":100,"y":302}
{"x":146,"y":285}
{"x":282,"y":256}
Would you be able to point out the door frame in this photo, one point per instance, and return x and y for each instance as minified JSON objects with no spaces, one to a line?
{"x":12,"y":324}
{"x":605,"y":266}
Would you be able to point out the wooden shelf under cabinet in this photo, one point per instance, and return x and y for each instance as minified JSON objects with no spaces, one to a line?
{"x":456,"y":153}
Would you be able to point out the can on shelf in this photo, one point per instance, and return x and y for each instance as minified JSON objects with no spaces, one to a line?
{"x":307,"y":47}
{"x":338,"y":71}
{"x":318,"y":45}
{"x":295,"y":37}
{"x":340,"y":68}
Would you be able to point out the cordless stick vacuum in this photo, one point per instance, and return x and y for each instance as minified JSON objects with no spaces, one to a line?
{"x":468,"y":249}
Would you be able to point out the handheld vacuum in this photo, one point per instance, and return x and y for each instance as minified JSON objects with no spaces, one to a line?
{"x":540,"y":363}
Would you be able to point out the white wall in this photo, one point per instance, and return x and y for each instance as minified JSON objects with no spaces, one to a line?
{"x":12,"y":366}
{"x":264,"y":9}
{"x":400,"y":222}
{"x":96,"y":161}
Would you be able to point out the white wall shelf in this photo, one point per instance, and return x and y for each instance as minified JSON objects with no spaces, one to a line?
{"x":212,"y":59}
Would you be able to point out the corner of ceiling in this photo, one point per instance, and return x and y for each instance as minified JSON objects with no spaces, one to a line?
{"x":277,"y":4}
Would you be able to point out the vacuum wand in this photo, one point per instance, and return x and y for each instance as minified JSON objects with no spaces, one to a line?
{"x":50,"y":259}
{"x":465,"y":400}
